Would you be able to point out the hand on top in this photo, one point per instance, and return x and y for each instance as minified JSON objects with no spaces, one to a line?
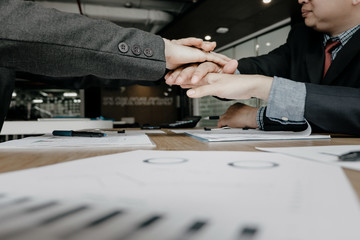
{"x":191,"y":50}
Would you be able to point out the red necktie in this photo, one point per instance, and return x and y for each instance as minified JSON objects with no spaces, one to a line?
{"x":330,"y":46}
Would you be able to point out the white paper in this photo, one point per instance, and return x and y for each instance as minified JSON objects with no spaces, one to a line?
{"x":239,"y":134}
{"x":281,"y":196}
{"x":111,"y":140}
{"x":326,"y":154}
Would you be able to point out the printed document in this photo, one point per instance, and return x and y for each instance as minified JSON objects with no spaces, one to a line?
{"x":325,"y":154}
{"x":131,"y":138}
{"x":198,"y":195}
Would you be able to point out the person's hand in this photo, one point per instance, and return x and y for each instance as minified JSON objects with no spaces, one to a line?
{"x":239,"y":115}
{"x":196,"y":42}
{"x":231,"y":86}
{"x":179,"y":54}
{"x":193,"y":73}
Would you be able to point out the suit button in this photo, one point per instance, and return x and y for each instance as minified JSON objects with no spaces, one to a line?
{"x":123,"y":47}
{"x":148,"y":52}
{"x":136,"y":50}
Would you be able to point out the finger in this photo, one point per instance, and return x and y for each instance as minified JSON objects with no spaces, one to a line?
{"x":171,"y":80}
{"x":185,"y":76}
{"x":176,"y":74}
{"x":196,"y":42}
{"x":209,"y":67}
{"x":190,"y":41}
{"x":208,"y":46}
{"x":222,"y":123}
{"x":168,"y":75}
{"x":216,"y":58}
{"x":221,"y":56}
{"x":203,"y":69}
{"x":201,"y":91}
{"x":223,"y":120}
{"x":230,"y":67}
{"x":210,"y":85}
{"x":195,"y":92}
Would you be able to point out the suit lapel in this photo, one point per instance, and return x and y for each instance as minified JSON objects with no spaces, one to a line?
{"x":343,"y":58}
{"x":315,"y":59}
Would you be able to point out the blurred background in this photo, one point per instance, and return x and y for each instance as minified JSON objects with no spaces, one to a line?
{"x":241,"y":28}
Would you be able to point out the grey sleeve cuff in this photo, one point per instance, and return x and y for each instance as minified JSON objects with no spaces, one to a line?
{"x":286,"y":103}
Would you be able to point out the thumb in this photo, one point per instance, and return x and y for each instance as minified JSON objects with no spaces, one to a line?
{"x":201,"y":91}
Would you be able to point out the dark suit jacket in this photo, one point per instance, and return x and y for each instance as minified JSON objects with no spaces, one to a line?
{"x":333,"y":103}
{"x":51,"y":43}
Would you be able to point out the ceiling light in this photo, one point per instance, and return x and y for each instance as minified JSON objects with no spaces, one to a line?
{"x":268,"y":44}
{"x":266,"y":1}
{"x":222,"y":30}
{"x":207,"y":37}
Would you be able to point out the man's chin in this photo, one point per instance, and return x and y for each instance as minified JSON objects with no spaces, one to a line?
{"x":310,"y":23}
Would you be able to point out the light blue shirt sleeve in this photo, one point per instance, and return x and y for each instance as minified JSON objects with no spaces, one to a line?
{"x":286,"y":103}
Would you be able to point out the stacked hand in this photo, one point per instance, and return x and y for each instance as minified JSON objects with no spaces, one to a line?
{"x":217,"y":78}
{"x":212,"y":79}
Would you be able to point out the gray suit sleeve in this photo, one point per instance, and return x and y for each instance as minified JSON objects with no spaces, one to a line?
{"x":48,"y":42}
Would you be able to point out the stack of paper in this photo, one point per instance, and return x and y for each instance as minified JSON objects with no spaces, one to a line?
{"x":239,"y":134}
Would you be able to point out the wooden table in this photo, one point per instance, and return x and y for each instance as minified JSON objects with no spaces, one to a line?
{"x":11,"y":160}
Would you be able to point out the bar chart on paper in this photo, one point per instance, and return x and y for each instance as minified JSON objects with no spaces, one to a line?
{"x":179,"y":195}
{"x":38,"y":218}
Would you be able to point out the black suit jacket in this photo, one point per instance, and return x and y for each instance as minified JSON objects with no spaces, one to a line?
{"x":333,"y":103}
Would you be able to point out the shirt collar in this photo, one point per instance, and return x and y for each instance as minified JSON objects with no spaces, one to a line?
{"x":343,"y":37}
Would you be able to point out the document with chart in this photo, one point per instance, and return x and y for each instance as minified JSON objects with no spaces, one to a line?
{"x":162,"y":195}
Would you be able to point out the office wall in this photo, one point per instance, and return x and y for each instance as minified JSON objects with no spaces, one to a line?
{"x":256,"y":46}
{"x":141,"y":105}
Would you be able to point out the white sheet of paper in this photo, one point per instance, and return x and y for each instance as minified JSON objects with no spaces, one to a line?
{"x":326,"y":154}
{"x":239,"y":134}
{"x":130,"y":138}
{"x":281,"y":196}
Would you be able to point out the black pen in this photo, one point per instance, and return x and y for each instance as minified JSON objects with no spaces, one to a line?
{"x":216,"y":129}
{"x":350,"y":156}
{"x":70,"y":133}
{"x":150,"y":127}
